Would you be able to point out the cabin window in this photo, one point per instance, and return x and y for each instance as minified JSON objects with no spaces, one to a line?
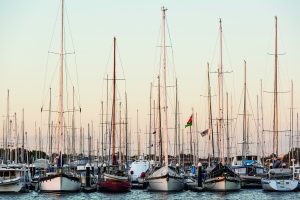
{"x":240,"y":170}
{"x":12,"y":174}
{"x":259,"y":171}
{"x":6,"y":173}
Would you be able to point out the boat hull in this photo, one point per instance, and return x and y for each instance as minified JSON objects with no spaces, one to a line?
{"x":223,"y":184}
{"x":113,"y":183}
{"x":279,"y":185}
{"x":59,"y":183}
{"x":250,"y":181}
{"x":166,"y":180}
{"x":166,"y":184}
{"x":114,"y":186}
{"x":12,"y":185}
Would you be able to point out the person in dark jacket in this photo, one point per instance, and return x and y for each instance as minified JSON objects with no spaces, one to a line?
{"x":200,"y":181}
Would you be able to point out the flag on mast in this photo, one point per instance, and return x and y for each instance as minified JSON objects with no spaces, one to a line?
{"x":190,"y":122}
{"x":205,"y":132}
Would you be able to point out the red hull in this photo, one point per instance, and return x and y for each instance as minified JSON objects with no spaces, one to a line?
{"x":114,"y":186}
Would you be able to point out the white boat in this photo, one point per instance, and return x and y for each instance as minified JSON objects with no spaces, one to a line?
{"x":250,"y":170}
{"x":222,"y":179}
{"x":59,"y":182}
{"x":279,"y":179}
{"x":14,"y":179}
{"x":165,"y":179}
{"x":296,"y":172}
{"x":138,"y":171}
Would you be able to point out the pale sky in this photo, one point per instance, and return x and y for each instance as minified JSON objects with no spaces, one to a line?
{"x":248,"y":28}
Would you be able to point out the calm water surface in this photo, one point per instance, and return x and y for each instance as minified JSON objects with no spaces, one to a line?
{"x":143,"y":194}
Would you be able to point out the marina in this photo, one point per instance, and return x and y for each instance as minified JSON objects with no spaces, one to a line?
{"x":232,"y":133}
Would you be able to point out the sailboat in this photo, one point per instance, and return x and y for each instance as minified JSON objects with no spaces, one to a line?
{"x":166,"y":177}
{"x":278,"y":178}
{"x":60,"y":181}
{"x":114,"y":178}
{"x":247,"y":166}
{"x":221,"y":177}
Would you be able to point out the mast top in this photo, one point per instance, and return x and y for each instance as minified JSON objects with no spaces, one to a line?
{"x":164,"y":9}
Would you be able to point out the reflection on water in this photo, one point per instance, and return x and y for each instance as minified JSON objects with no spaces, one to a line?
{"x":244,"y":194}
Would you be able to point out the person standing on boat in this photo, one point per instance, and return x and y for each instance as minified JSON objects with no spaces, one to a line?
{"x":177,"y":168}
{"x":199,"y":166}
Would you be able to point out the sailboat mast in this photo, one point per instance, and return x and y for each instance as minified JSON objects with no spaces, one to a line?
{"x":35,"y":139}
{"x":60,"y":111}
{"x":262,"y":123}
{"x":120,"y":135}
{"x":102,"y":146}
{"x":166,"y":145}
{"x":7,"y":129}
{"x":3,"y":137}
{"x":159,"y":123}
{"x":220,"y":89}
{"x":275,"y":116}
{"x":49,"y":125}
{"x":227,"y":130}
{"x":138,"y":134}
{"x":176,"y":122}
{"x":23,"y":128}
{"x":126,"y":129}
{"x":244,"y":148}
{"x":297,"y":140}
{"x":73,"y":125}
{"x":106,"y":122}
{"x":211,"y":135}
{"x":178,"y":136}
{"x":155,"y":132}
{"x":257,"y":134}
{"x":89,"y":144}
{"x":197,"y":141}
{"x":292,"y":119}
{"x":150,"y":127}
{"x":16,"y":139}
{"x":113,"y":107}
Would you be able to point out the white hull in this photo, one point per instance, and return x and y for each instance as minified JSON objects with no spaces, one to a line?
{"x":223,"y":184}
{"x":137,"y":168}
{"x":165,"y":185}
{"x":165,"y":179}
{"x":279,"y":185}
{"x":12,"y":185}
{"x":59,"y":184}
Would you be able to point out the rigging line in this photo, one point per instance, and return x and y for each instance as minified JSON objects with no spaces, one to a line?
{"x":68,"y":74}
{"x":66,"y":85}
{"x":251,"y":109}
{"x":161,"y":53}
{"x":106,"y":68}
{"x":235,"y":126}
{"x":52,"y":77}
{"x":75,"y":58}
{"x":47,"y":59}
{"x":154,"y":76}
{"x":214,"y":50}
{"x":121,"y":63}
{"x":172,"y":50}
{"x":40,"y":131}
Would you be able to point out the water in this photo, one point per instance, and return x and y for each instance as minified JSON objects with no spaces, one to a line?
{"x":145,"y":195}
